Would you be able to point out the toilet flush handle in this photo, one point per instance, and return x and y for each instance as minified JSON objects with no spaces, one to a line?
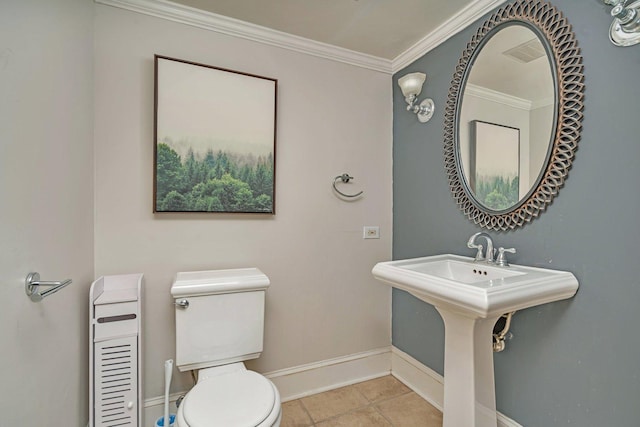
{"x":182,"y":303}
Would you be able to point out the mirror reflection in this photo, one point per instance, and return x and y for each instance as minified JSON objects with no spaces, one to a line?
{"x":506,"y":118}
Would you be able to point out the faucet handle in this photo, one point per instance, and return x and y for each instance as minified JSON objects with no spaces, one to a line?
{"x":502,"y":257}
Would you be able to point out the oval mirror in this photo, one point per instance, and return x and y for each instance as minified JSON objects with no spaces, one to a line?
{"x":506,"y":117}
{"x":514,"y":114}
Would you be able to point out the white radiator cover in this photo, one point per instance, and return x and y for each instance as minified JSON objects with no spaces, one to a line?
{"x":115,"y":380}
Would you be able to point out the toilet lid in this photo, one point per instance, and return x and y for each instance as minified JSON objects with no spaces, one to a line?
{"x":242,"y":399}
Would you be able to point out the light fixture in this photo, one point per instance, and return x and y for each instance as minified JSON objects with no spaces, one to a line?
{"x":411,"y":86}
{"x":625,"y":29}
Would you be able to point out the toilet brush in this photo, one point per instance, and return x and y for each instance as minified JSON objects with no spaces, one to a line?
{"x":168,"y":371}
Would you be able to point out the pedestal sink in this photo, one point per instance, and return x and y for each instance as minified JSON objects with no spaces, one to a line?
{"x":471,"y":297}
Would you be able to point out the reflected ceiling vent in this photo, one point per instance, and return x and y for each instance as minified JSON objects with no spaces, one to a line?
{"x":527,"y":51}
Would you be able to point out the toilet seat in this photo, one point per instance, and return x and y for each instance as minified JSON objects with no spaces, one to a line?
{"x":239,"y":399}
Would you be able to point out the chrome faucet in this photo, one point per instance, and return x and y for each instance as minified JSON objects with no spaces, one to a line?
{"x":489,"y":254}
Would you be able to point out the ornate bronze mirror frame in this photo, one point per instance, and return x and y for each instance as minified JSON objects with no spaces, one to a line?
{"x":566,"y":63}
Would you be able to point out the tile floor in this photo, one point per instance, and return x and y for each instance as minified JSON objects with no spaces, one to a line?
{"x":380,"y":402}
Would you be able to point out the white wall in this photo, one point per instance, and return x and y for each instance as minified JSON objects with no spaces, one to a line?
{"x":46,"y":188}
{"x":541,"y":123}
{"x":332,"y":118}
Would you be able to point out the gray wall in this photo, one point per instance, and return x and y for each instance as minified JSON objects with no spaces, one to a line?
{"x":575,"y":362}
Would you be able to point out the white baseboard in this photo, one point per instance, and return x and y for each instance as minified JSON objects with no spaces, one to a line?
{"x":330,"y":374}
{"x":418,"y":377}
{"x":294,"y":383}
{"x":427,"y":383}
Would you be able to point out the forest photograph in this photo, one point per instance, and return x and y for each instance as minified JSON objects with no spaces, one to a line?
{"x":497,"y":192}
{"x":495,"y":164}
{"x":212,"y":153}
{"x":215,"y":182}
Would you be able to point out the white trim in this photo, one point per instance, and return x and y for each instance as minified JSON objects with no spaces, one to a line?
{"x":446,"y":30}
{"x":506,"y":99}
{"x":423,"y":380}
{"x":294,"y":383}
{"x":304,"y":380}
{"x":234,"y":27}
{"x":313,"y":378}
{"x":222,"y":24}
{"x":543,"y":103}
{"x":426,"y":382}
{"x":499,"y":97}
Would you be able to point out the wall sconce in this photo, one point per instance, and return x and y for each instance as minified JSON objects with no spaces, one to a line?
{"x":625,"y":29}
{"x":411,"y":86}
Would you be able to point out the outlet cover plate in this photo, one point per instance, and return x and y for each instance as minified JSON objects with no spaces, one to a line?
{"x":370,"y":232}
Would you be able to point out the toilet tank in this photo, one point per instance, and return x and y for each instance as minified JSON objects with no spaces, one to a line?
{"x":219,"y":316}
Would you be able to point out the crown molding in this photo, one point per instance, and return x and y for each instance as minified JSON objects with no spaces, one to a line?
{"x":499,"y":97}
{"x":455,"y":24}
{"x":234,"y":27}
{"x":545,"y":102}
{"x":506,"y":99}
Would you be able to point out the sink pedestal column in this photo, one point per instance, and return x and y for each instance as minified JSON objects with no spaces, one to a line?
{"x":469,"y":388}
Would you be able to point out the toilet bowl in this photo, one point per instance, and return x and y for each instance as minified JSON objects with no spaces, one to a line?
{"x":230,"y":396}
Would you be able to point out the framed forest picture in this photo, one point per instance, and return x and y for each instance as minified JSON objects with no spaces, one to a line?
{"x":214,"y":139}
{"x":495,"y":164}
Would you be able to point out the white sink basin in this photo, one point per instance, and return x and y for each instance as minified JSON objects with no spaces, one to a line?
{"x":478,"y":289}
{"x":470,"y":298}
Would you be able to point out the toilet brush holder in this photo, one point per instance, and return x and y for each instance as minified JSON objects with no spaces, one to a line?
{"x":172,"y":421}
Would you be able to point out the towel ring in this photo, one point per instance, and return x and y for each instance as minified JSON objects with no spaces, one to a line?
{"x":345,"y":178}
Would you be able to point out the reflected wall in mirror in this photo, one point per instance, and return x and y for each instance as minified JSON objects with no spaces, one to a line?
{"x":513,"y":116}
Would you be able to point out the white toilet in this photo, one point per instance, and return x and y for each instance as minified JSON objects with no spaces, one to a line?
{"x":219,"y":324}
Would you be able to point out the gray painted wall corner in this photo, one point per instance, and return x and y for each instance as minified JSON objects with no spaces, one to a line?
{"x":573,"y":362}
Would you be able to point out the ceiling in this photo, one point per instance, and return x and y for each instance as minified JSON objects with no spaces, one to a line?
{"x":381,"y":28}
{"x":389,"y":29}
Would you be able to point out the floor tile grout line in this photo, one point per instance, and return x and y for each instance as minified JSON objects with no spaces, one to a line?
{"x":376,"y":405}
{"x":383,"y":416}
{"x":370,"y":404}
{"x":306,"y":411}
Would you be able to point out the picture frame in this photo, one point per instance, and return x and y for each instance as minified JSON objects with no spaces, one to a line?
{"x":214,"y":139}
{"x":495,"y":164}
